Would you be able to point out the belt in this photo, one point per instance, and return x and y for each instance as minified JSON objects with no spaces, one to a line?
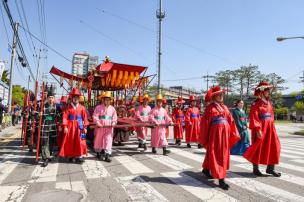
{"x":74,"y":118}
{"x":144,"y":114}
{"x":159,"y":117}
{"x":194,"y":115}
{"x":49,"y":118}
{"x":179,"y":117}
{"x":105,"y":117}
{"x":265,"y":116}
{"x":219,"y":120}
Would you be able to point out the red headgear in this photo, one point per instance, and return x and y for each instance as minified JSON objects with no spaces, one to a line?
{"x":75,"y":92}
{"x":192,"y":98}
{"x":263,"y":85}
{"x":64,"y":99}
{"x":180,"y":100}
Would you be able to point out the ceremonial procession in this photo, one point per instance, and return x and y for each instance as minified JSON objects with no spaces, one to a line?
{"x":117,"y":127}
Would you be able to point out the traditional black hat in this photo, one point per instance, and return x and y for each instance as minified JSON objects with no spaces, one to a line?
{"x":50,"y":91}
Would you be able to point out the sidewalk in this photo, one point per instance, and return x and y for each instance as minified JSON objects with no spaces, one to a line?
{"x":10,"y":133}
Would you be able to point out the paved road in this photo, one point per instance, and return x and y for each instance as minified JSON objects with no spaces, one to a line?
{"x":140,"y":176}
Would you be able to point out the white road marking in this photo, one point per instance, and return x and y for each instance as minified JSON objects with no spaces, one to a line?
{"x":139,"y":190}
{"x":265,"y":190}
{"x":197,"y":188}
{"x":13,"y":193}
{"x":291,"y":167}
{"x":7,"y":166}
{"x":170,"y":162}
{"x":298,"y":160}
{"x":292,"y":152}
{"x":94,"y":169}
{"x":134,"y":166}
{"x":45,"y":174}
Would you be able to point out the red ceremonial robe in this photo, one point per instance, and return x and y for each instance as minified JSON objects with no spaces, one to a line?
{"x":179,"y":119}
{"x":193,"y":130}
{"x":265,"y":150}
{"x":218,"y":134}
{"x":72,"y":144}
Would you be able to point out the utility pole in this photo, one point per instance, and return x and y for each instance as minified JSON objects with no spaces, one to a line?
{"x":11,"y":67}
{"x":302,"y":78}
{"x":208,"y":78}
{"x":160,"y":14}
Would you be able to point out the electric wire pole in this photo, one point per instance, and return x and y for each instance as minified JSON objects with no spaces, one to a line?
{"x":160,"y":14}
{"x":208,"y":78}
{"x":11,"y":67}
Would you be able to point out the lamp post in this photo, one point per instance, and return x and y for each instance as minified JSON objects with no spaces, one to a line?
{"x":279,"y":39}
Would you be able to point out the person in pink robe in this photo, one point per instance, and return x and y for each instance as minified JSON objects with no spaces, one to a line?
{"x":160,"y":117}
{"x":142,"y":114}
{"x":104,"y":115}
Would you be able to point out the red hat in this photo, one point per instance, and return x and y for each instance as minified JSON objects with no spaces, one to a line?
{"x":215,"y":90}
{"x":75,"y":92}
{"x":192,"y":98}
{"x":180,"y":100}
{"x":64,"y":99}
{"x":263,"y":85}
{"x":208,"y":96}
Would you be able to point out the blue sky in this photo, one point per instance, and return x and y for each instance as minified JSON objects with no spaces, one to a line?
{"x":212,"y":35}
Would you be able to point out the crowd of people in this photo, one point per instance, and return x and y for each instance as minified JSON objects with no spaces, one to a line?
{"x":218,"y":130}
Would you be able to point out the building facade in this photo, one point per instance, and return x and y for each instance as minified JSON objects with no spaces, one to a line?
{"x":82,"y":63}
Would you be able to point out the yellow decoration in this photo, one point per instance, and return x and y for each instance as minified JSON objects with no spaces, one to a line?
{"x":159,"y":97}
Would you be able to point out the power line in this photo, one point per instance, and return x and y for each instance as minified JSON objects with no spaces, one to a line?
{"x":184,"y":79}
{"x":169,"y":37}
{"x":49,"y":47}
{"x":4,"y":24}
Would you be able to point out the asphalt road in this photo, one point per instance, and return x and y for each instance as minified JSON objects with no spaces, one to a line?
{"x":134,"y":175}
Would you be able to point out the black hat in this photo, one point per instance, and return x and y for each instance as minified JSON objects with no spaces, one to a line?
{"x":50,"y":91}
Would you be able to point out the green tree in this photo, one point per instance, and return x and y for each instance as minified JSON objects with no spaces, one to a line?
{"x":18,"y":94}
{"x":225,"y":79}
{"x":4,"y":77}
{"x":299,"y":106}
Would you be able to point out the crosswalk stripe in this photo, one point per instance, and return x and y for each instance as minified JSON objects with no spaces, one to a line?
{"x":7,"y":165}
{"x":94,"y":169}
{"x":292,"y":167}
{"x":76,"y":186}
{"x":187,"y":154}
{"x":298,"y":160}
{"x":294,"y":148}
{"x":139,"y":190}
{"x":170,"y":162}
{"x":45,"y":174}
{"x":265,"y":190}
{"x":292,"y":152}
{"x":293,"y":144}
{"x":134,"y":166}
{"x":284,"y":176}
{"x":197,"y":188}
{"x":290,"y":156}
{"x":13,"y":193}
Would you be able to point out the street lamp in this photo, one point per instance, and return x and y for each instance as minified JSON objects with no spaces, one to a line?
{"x":279,"y":39}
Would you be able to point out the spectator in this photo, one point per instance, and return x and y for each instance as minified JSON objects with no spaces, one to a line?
{"x":15,"y":115}
{"x":2,"y":110}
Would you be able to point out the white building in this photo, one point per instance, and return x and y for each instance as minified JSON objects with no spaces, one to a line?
{"x":82,"y":63}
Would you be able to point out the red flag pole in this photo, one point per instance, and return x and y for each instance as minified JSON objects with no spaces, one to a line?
{"x":24,"y":121}
{"x":35,"y":108}
{"x":40,"y":122}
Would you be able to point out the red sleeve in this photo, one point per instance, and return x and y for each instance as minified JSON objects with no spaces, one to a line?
{"x":205,"y":122}
{"x":187,"y":115}
{"x":234,"y":135}
{"x":254,"y":119}
{"x":85,"y":117}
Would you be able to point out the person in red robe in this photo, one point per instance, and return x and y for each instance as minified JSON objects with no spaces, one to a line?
{"x":63,"y":106}
{"x":218,"y":134}
{"x":192,"y":121}
{"x":178,"y":119}
{"x":75,"y":122}
{"x":265,"y":148}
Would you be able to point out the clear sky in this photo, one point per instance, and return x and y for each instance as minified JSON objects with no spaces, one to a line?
{"x":200,"y":36}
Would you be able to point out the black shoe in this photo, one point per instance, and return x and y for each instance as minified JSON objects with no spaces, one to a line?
{"x":79,"y":160}
{"x":199,"y":146}
{"x":98,"y":155}
{"x":31,"y":150}
{"x":223,"y":184}
{"x":166,"y":151}
{"x":145,"y":146}
{"x":107,"y":158}
{"x":102,"y":152}
{"x":256,"y":171}
{"x":120,"y":144}
{"x":270,"y":170}
{"x":140,"y":145}
{"x":71,"y":160}
{"x":45,"y":163}
{"x":189,"y":145}
{"x":206,"y":172}
{"x":153,"y":150}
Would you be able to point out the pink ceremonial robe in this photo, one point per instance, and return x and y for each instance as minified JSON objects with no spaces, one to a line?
{"x":142,"y":114}
{"x":104,"y":116}
{"x":158,"y":137}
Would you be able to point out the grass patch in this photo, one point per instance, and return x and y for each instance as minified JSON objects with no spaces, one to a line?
{"x":301,"y":132}
{"x":283,"y":121}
